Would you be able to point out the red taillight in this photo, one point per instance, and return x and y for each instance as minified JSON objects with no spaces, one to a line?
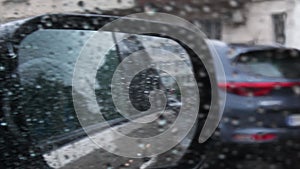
{"x":264,"y":137}
{"x":254,"y":88}
{"x":255,"y":137}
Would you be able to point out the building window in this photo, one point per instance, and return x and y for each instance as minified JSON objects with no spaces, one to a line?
{"x":211,"y":28}
{"x":279,"y":27}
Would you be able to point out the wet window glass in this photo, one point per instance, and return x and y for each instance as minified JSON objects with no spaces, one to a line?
{"x":67,"y":100}
{"x":276,"y":63}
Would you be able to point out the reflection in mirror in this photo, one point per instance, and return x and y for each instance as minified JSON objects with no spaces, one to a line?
{"x":46,"y":64}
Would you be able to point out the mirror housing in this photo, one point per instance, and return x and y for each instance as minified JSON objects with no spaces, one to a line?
{"x":19,"y":30}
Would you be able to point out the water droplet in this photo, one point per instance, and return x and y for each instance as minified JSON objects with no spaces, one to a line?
{"x":175,"y":151}
{"x":261,"y":110}
{"x":233,"y":3}
{"x":32,"y":154}
{"x":80,"y":3}
{"x":174,"y":130}
{"x":162,"y":122}
{"x":206,"y":9}
{"x":252,"y":119}
{"x":14,"y":76}
{"x":66,"y":130}
{"x":168,"y":8}
{"x":142,"y":146}
{"x":206,"y":106}
{"x":222,"y":156}
{"x":3,"y":124}
{"x":49,"y":24}
{"x":66,"y":157}
{"x":235,"y":122}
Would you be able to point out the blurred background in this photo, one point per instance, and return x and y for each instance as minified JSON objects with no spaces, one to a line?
{"x":233,"y":21}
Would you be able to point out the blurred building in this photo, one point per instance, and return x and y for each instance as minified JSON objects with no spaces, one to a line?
{"x":238,"y":21}
{"x":265,"y":22}
{"x":235,"y":21}
{"x":15,"y":9}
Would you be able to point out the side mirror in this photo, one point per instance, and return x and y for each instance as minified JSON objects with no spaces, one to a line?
{"x":70,"y":80}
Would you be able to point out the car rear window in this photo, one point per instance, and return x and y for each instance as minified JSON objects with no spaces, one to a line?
{"x":275,"y":63}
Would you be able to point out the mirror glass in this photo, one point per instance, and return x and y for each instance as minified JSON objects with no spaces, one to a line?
{"x":47,"y":59}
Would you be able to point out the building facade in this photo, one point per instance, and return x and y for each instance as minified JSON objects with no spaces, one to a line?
{"x":233,"y":21}
{"x":266,"y":22}
{"x":238,"y":21}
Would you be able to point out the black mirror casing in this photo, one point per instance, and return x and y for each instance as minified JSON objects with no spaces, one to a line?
{"x":11,"y":35}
